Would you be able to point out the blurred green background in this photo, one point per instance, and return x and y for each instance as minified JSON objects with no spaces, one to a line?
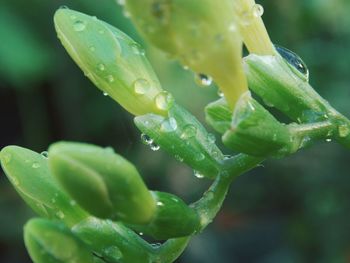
{"x":288,"y":211}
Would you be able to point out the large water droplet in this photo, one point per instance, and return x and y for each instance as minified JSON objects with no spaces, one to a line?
{"x":164,"y":101}
{"x":203,"y":80}
{"x":141,"y":86}
{"x":189,"y":131}
{"x":169,"y":125}
{"x":146,"y":139}
{"x":294,"y":60}
{"x":258,"y":10}
{"x":79,"y":26}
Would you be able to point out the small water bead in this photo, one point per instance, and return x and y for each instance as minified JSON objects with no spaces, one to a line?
{"x":203,"y":80}
{"x":146,"y":139}
{"x":35,"y":165}
{"x":101,"y":67}
{"x":101,"y":31}
{"x":154,"y":147}
{"x":110,"y":78}
{"x":73,"y":203}
{"x":258,"y":10}
{"x":79,"y":26}
{"x":112,"y":253}
{"x":343,"y":130}
{"x":45,"y":154}
{"x":164,"y":101}
{"x":137,"y":49}
{"x":199,"y":157}
{"x":220,"y":93}
{"x":198,"y":174}
{"x":92,"y":48}
{"x":169,"y":125}
{"x":189,"y":131}
{"x":121,"y":2}
{"x":156,"y":245}
{"x":294,"y":60}
{"x":141,"y":234}
{"x":328,"y":140}
{"x":73,"y":17}
{"x":141,"y":86}
{"x":60,"y":215}
{"x":160,"y":203}
{"x":232,"y":27}
{"x":105,"y":94}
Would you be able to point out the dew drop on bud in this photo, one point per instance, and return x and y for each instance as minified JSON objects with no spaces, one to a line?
{"x":258,"y":10}
{"x":189,"y":131}
{"x":164,"y":101}
{"x":168,"y":125}
{"x":203,"y":80}
{"x":79,"y":26}
{"x":146,"y":139}
{"x":141,"y":86}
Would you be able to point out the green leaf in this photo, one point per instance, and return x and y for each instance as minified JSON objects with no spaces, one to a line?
{"x":111,"y":60}
{"x":184,"y":137}
{"x":173,"y":218}
{"x":52,"y":242}
{"x":113,"y":241}
{"x":104,"y":183}
{"x":29,"y":173}
{"x":255,"y":131}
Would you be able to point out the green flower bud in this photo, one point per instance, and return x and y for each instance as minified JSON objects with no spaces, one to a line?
{"x":219,"y":115}
{"x":113,"y":241}
{"x":51,"y":242}
{"x":173,"y":218}
{"x":255,"y":131}
{"x":102,"y":182}
{"x":29,"y":173}
{"x":111,"y":60}
{"x":282,"y":86}
{"x":181,"y":135}
{"x":203,"y":35}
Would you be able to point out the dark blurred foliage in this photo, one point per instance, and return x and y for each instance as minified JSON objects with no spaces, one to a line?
{"x":289,"y":211}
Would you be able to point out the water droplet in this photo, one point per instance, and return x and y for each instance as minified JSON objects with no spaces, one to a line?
{"x":112,"y":253}
{"x":169,"y":125}
{"x":79,"y":26}
{"x":101,"y":31}
{"x":226,"y":157}
{"x":73,"y":203}
{"x":189,"y":131}
{"x":294,"y":60}
{"x":101,"y":67}
{"x":343,"y":130}
{"x":232,"y":27}
{"x":35,"y":165}
{"x":105,"y":94}
{"x":246,"y":18}
{"x":328,"y":140}
{"x":6,"y":158}
{"x":203,"y":80}
{"x":146,"y":139}
{"x":137,"y":49}
{"x":258,"y":10}
{"x":154,"y":147}
{"x":92,"y":48}
{"x":60,"y":214}
{"x":126,"y":13}
{"x":199,"y":157}
{"x":45,"y":154}
{"x":160,"y":203}
{"x":121,"y":2}
{"x":164,"y":101}
{"x":110,"y":78}
{"x":220,"y":93}
{"x":179,"y":158}
{"x":185,"y":67}
{"x":156,"y":245}
{"x":198,"y":174}
{"x":53,"y":200}
{"x":63,"y":7}
{"x":141,"y":234}
{"x":141,"y":86}
{"x":211,"y":138}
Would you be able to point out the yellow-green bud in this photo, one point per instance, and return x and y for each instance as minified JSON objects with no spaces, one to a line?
{"x":111,"y":60}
